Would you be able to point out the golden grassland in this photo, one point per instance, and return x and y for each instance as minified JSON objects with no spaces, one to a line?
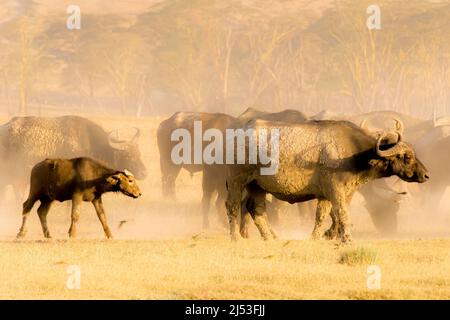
{"x":215,"y":268}
{"x":161,"y":252}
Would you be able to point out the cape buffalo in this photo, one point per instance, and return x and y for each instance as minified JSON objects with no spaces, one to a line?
{"x":425,"y":136}
{"x":383,"y":200}
{"x":77,"y":179}
{"x":324,"y":160}
{"x":184,"y":120}
{"x":214,"y":176}
{"x":213,"y":179}
{"x":289,"y":116}
{"x":25,"y":141}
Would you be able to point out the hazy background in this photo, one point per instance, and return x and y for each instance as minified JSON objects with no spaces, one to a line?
{"x":134,"y":62}
{"x":154,"y":57}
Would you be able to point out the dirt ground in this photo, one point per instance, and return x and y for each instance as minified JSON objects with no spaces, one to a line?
{"x":161,"y":252}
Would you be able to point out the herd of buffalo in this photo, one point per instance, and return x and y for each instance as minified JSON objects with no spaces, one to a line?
{"x":325,"y":157}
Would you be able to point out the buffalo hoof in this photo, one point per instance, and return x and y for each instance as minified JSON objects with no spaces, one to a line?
{"x":244,"y":233}
{"x":267,"y":236}
{"x":21,"y":234}
{"x":108,"y":234}
{"x":274,"y":234}
{"x":316,"y":236}
{"x":330,"y":234}
{"x":235,"y":237}
{"x":346,"y":239}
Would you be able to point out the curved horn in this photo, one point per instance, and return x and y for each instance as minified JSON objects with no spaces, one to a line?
{"x":399,"y":125}
{"x":118,"y":143}
{"x":395,"y":149}
{"x":115,"y":142}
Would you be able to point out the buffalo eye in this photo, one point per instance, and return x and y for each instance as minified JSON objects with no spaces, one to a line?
{"x":408,"y":159}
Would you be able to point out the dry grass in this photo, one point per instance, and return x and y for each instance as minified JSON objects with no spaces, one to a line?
{"x":358,"y":256}
{"x":162,"y":252}
{"x":214,"y":268}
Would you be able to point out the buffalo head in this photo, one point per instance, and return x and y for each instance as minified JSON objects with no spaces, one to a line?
{"x":127,"y":153}
{"x":124,"y":182}
{"x":398,"y":158}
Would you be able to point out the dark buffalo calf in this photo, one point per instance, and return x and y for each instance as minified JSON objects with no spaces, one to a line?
{"x":77,"y":179}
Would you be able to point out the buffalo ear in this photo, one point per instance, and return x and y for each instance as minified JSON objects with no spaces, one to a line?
{"x":113,"y":180}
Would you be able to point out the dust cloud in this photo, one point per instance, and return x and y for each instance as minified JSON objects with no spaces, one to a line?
{"x":135,"y":63}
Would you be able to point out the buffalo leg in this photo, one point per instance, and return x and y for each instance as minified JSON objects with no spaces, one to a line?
{"x":245,"y":217}
{"x":27,"y":206}
{"x":273,"y":210}
{"x":220,"y":202}
{"x":339,"y":209}
{"x":333,"y":231}
{"x":208,"y":190}
{"x":233,"y":204}
{"x":258,"y":211}
{"x":322,"y":211}
{"x":75,"y":216}
{"x":42,"y":213}
{"x":98,"y":205}
{"x":220,"y":208}
{"x":263,"y":226}
{"x":233,"y":207}
{"x":307,"y":211}
{"x":336,"y":228}
{"x":272,"y":231}
{"x":169,"y":174}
